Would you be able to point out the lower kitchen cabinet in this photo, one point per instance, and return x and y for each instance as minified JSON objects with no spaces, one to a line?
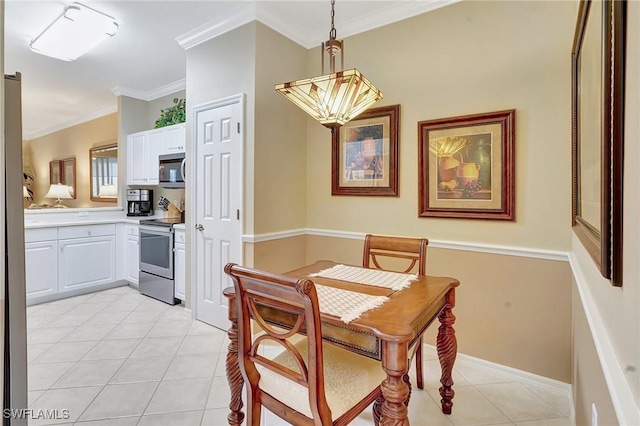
{"x":41,"y":267}
{"x":85,"y":262}
{"x":132,"y":254}
{"x":179,"y":263}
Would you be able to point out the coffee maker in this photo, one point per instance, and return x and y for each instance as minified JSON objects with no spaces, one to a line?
{"x":139,"y":202}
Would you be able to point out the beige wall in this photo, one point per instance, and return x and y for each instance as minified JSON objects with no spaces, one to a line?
{"x":510,"y":310}
{"x":279,"y":194}
{"x":455,"y":61}
{"x":75,"y":142}
{"x":615,"y":312}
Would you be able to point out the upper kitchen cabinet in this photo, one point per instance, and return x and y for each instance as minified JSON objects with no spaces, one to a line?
{"x":174,"y":139}
{"x":144,"y":148}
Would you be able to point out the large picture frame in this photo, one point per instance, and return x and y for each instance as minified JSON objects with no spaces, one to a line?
{"x":598,"y":58}
{"x":466,"y":166}
{"x":364,"y":157}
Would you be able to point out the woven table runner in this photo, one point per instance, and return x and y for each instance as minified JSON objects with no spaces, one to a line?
{"x":375,"y":277}
{"x":347,"y":305}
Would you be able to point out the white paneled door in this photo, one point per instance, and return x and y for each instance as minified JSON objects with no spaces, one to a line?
{"x":218,"y":190}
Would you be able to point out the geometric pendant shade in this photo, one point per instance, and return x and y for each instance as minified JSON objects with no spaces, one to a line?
{"x":332,"y":99}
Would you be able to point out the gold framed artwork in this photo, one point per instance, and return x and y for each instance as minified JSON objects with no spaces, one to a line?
{"x":466,"y":166}
{"x":364,"y":157}
{"x":597,"y":77}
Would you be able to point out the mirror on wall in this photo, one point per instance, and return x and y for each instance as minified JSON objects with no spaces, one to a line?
{"x":104,"y":173}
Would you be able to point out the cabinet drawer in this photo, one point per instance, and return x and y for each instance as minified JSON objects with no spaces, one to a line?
{"x":42,"y":234}
{"x":83,"y":231}
{"x":131,"y":230}
{"x":180,"y":237}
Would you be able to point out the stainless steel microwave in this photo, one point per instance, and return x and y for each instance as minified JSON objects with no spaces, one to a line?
{"x":171,"y":170}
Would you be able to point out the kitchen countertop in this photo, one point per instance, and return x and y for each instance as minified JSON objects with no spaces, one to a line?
{"x":179,"y":226}
{"x":50,"y":223}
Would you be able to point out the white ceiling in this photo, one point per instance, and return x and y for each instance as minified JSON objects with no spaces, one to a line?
{"x":146,"y":58}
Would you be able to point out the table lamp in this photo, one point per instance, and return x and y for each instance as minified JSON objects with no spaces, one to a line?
{"x":59,"y":192}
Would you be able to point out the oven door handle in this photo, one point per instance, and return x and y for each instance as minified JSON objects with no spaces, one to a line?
{"x":183,"y":169}
{"x":157,"y":230}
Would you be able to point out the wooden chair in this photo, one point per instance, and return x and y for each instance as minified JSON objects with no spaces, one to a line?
{"x":309,"y":382}
{"x":402,"y":255}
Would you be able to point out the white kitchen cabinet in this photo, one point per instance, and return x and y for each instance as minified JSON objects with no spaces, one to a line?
{"x":87,"y":256}
{"x":41,"y":268}
{"x":41,"y":261}
{"x":144,"y":148}
{"x":179,"y":263}
{"x":132,"y":254}
{"x":175,"y":138}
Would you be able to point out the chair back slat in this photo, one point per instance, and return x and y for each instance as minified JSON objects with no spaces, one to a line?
{"x":379,"y":247}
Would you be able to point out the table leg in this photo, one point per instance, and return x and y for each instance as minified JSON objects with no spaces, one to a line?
{"x":447,"y":350}
{"x":234,"y":376}
{"x":394,"y":389}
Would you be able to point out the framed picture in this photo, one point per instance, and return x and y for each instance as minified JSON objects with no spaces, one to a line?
{"x":55,"y":172}
{"x":466,"y":166}
{"x":69,"y":174}
{"x":598,"y":140}
{"x":364,"y":157}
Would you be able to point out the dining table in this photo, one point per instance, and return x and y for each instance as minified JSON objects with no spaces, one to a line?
{"x":385,"y":333}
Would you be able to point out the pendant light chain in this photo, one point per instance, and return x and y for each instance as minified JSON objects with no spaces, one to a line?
{"x":332,"y":33}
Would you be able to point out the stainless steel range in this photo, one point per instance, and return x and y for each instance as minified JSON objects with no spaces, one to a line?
{"x":156,"y":259}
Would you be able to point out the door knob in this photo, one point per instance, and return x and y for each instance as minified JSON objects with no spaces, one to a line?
{"x":199,"y":227}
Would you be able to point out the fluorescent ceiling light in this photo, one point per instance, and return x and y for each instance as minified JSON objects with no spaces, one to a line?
{"x":75,"y":32}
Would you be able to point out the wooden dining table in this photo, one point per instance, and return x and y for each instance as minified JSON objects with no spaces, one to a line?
{"x":384,"y":333}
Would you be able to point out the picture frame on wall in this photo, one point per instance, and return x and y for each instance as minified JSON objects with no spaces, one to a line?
{"x":597,"y":86}
{"x":69,"y":174}
{"x":466,"y":166}
{"x":364,"y":157}
{"x":55,"y":172}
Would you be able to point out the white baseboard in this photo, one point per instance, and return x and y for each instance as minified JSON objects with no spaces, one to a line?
{"x":555,"y":387}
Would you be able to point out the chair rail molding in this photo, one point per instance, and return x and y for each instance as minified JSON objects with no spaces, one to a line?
{"x":534,"y":253}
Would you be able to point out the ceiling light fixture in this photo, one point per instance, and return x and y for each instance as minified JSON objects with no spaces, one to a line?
{"x":335,"y":98}
{"x":75,"y":32}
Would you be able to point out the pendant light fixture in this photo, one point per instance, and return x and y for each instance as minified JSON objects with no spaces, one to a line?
{"x":335,"y":98}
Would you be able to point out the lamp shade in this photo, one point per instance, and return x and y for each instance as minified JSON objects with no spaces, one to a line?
{"x":59,"y":192}
{"x":76,"y":31}
{"x":108,"y":191}
{"x":332,"y":99}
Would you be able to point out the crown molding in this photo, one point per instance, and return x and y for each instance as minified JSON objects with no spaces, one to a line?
{"x":73,"y":122}
{"x":223,"y":24}
{"x":255,"y":11}
{"x":382,"y":17}
{"x":150,"y":95}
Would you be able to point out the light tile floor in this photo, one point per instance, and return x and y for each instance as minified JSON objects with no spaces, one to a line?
{"x":117,"y":357}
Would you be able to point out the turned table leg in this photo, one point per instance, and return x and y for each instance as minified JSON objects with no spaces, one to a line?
{"x":447,"y":349}
{"x":395,"y":389}
{"x":234,"y":376}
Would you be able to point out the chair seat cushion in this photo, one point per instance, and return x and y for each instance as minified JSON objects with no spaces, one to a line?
{"x":349,"y":378}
